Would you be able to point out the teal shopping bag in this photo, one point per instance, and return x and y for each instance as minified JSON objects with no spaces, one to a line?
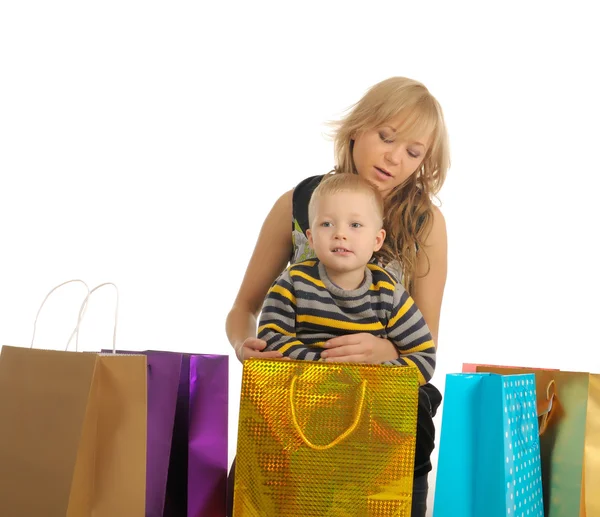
{"x":489,"y":459}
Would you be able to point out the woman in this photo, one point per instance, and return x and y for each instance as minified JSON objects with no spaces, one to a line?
{"x":395,"y":137}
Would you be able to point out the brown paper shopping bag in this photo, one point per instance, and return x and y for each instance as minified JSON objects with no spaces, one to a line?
{"x":72,"y":434}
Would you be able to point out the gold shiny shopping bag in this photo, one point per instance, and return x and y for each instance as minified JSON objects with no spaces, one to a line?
{"x":325,"y":439}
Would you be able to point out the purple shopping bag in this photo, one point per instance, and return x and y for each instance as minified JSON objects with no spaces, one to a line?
{"x":187,"y":434}
{"x":207,"y":440}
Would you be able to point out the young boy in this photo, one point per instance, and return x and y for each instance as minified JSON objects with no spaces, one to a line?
{"x":341,"y":292}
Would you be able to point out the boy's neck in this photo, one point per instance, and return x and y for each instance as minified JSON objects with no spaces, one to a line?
{"x":346,"y":280}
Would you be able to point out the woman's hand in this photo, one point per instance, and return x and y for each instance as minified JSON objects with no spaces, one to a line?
{"x":253,"y":347}
{"x":359,"y":348}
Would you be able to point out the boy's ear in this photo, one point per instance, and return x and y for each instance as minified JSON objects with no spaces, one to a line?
{"x":379,"y":239}
{"x":309,"y":237}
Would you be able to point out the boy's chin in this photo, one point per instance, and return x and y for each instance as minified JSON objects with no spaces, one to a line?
{"x":334,"y":266}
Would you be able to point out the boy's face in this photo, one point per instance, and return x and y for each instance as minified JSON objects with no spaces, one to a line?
{"x":345,"y":230}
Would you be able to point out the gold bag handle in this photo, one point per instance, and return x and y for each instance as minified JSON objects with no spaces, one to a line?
{"x":341,"y":437}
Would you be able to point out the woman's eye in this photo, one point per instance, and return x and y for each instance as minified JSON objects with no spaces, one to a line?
{"x":413,"y":154}
{"x":388,"y":139}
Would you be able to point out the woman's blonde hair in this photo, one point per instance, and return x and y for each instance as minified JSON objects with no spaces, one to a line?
{"x":408,"y":207}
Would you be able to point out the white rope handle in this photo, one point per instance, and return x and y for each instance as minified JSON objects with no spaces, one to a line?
{"x":48,"y":296}
{"x":82,"y":312}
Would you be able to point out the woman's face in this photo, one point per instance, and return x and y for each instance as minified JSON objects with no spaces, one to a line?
{"x":383,"y":158}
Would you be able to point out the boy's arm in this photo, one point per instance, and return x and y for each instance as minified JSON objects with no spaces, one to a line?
{"x":277,"y":324}
{"x":410,"y":334}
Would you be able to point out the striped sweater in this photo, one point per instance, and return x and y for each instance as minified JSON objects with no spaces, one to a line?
{"x":303,"y":309}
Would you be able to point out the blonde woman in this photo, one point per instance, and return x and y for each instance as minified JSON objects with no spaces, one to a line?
{"x":395,"y":137}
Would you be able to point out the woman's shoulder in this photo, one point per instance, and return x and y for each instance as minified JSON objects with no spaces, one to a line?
{"x":303,"y":190}
{"x":438,"y":226}
{"x":309,"y":183}
{"x":300,"y":199}
{"x":435,"y":215}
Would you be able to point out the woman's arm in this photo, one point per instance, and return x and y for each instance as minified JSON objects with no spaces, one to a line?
{"x":269,"y":259}
{"x":432,"y":268}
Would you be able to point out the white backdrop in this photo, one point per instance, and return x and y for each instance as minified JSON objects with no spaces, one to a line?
{"x":144,"y":142}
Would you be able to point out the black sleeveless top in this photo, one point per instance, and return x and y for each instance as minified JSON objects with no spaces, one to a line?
{"x":429,"y":396}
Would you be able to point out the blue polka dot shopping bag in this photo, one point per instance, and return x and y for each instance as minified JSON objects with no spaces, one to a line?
{"x":489,"y":459}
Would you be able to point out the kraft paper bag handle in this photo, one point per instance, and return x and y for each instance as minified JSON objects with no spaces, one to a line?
{"x":82,"y":313}
{"x":76,"y":329}
{"x":545,"y":416}
{"x":546,"y":411}
{"x":341,"y":437}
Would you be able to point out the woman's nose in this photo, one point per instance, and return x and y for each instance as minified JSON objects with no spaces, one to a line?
{"x":394,"y":156}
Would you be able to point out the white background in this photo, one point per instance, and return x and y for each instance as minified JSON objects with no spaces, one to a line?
{"x":144,"y":142}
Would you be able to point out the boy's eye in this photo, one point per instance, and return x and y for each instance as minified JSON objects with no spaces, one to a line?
{"x":326,"y":224}
{"x":356,"y":225}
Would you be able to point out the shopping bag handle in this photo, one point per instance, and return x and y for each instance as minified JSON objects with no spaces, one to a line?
{"x":546,"y":416}
{"x":82,"y":312}
{"x":76,"y":329}
{"x":341,"y":437}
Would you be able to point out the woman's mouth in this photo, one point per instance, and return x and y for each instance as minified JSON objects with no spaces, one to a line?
{"x":383,"y":173}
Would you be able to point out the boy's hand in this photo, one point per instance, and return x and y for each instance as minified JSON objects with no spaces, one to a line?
{"x":253,"y":347}
{"x":359,"y":348}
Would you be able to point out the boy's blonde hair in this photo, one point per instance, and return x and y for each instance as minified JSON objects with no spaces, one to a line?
{"x":409,"y":207}
{"x":334,"y":183}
